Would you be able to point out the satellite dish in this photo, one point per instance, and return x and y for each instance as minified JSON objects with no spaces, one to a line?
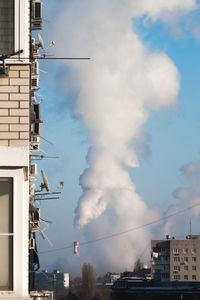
{"x":40,"y":40}
{"x":45,"y":184}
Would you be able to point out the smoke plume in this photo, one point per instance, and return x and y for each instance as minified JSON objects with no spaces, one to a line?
{"x":186,"y":196}
{"x":115,"y":90}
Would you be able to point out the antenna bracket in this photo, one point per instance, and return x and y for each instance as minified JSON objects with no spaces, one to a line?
{"x":3,"y":69}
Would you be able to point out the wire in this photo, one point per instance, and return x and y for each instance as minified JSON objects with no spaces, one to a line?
{"x":48,"y":58}
{"x":125,"y":231}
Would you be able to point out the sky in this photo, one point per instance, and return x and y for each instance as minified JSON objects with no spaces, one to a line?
{"x":124,"y":126}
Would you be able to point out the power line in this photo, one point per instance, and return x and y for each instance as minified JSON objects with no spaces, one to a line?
{"x":125,"y":231}
{"x":49,"y":58}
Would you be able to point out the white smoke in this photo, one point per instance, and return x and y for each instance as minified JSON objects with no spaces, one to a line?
{"x":115,"y":90}
{"x":187,"y":196}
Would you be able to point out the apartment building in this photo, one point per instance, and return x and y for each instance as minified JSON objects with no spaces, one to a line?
{"x":55,"y":281}
{"x":17,"y":129}
{"x":176,"y":260}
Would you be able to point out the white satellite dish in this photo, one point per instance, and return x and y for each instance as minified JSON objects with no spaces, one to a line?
{"x":45,"y":184}
{"x":40,"y":40}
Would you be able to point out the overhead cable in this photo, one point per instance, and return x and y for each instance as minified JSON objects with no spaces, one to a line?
{"x":125,"y":231}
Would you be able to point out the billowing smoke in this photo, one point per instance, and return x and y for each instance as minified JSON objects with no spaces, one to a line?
{"x":186,"y":197}
{"x":115,"y":90}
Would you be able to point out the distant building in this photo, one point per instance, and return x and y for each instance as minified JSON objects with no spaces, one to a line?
{"x":135,"y":289}
{"x":144,"y":273}
{"x":111,"y":277}
{"x":55,"y":281}
{"x":176,"y":260}
{"x":42,"y":295}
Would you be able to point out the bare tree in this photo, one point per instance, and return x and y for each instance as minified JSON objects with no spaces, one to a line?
{"x":138,"y":265}
{"x":88,"y":290}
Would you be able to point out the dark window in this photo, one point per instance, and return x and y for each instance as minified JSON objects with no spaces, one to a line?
{"x":165,"y":275}
{"x":185,"y":258}
{"x":186,"y":268}
{"x":186,"y":277}
{"x":176,"y":258}
{"x":194,"y":277}
{"x":194,"y":268}
{"x":194,"y":259}
{"x":193,"y":250}
{"x":6,"y":26}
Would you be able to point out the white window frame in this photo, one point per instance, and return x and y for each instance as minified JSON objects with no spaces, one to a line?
{"x":176,"y":250}
{"x":20,"y":231}
{"x":21,"y":31}
{"x":9,"y":234}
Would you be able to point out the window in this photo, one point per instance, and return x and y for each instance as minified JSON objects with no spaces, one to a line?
{"x":177,"y":277}
{"x":185,"y":277}
{"x":194,"y":268}
{"x":6,"y":233}
{"x":7,"y":26}
{"x":193,"y":251}
{"x":186,"y":259}
{"x":186,"y":268}
{"x":176,"y":250}
{"x":165,"y":275}
{"x":177,"y":268}
{"x":14,"y":27}
{"x":194,"y":277}
{"x":176,"y":258}
{"x":194,"y":259}
{"x":185,"y":250}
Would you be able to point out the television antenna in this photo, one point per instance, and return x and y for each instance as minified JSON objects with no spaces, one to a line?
{"x":3,"y":57}
{"x":41,"y":42}
{"x":41,"y":231}
{"x":40,"y":157}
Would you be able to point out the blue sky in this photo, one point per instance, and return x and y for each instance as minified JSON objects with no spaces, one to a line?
{"x":173,"y":134}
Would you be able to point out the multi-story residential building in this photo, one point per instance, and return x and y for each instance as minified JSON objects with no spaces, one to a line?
{"x":176,"y":260}
{"x":55,"y":281}
{"x":18,"y":138}
{"x":14,"y":147}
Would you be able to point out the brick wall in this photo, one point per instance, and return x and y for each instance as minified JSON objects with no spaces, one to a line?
{"x":14,"y":107}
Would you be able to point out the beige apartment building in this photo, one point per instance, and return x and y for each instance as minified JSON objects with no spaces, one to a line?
{"x":176,"y":260}
{"x":18,"y":139}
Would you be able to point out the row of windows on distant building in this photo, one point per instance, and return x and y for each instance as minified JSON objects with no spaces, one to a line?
{"x":178,"y":277}
{"x":185,"y":250}
{"x":185,"y":277}
{"x":185,"y":259}
{"x":177,"y":268}
{"x":175,"y":250}
{"x":178,"y":258}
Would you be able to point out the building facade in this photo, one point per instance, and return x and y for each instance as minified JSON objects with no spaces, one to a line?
{"x":176,"y":260}
{"x":14,"y":147}
{"x":55,"y":281}
{"x":18,"y":139}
